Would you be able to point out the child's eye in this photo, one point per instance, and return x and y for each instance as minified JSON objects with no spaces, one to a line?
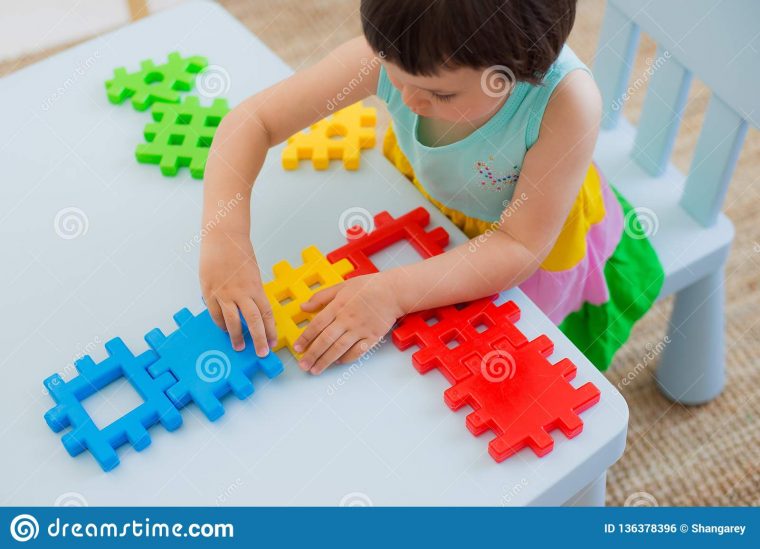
{"x":443,"y":98}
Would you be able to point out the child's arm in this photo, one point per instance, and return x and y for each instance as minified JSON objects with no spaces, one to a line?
{"x":229,"y":273}
{"x":359,"y":312}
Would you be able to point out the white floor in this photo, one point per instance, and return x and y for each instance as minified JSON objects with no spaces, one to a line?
{"x":27,"y":26}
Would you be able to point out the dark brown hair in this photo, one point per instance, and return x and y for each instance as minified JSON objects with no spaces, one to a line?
{"x":422,"y":36}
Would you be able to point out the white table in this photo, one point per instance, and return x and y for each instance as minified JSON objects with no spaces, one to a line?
{"x":376,"y":433}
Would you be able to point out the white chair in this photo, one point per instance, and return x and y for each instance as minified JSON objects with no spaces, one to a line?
{"x":719,"y":43}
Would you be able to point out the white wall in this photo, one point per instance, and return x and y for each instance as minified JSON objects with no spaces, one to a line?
{"x":31,"y":25}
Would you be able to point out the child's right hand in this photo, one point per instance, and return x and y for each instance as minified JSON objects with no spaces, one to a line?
{"x":229,"y":273}
{"x":231,"y":285}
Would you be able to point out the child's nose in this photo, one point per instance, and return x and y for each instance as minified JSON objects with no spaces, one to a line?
{"x":412,"y":98}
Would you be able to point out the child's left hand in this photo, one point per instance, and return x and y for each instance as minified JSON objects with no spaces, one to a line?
{"x":355,"y":315}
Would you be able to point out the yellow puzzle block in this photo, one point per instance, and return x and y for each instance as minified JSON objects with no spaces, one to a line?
{"x":341,"y":135}
{"x":292,"y":287}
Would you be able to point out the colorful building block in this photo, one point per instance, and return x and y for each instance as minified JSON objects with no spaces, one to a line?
{"x":181,"y":135}
{"x":505,"y":378}
{"x":201,"y":358}
{"x":340,"y":136}
{"x":532,"y":401}
{"x":386,"y":232}
{"x":292,"y":287}
{"x":155,"y":83}
{"x":132,"y":427}
{"x":446,"y":336}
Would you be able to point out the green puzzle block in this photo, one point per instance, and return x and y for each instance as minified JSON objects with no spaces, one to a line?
{"x":181,"y":135}
{"x":155,"y":83}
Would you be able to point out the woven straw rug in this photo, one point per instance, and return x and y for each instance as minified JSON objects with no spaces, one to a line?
{"x":706,"y":455}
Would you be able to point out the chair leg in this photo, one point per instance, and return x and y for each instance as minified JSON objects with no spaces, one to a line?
{"x":692,"y":365}
{"x":592,"y":495}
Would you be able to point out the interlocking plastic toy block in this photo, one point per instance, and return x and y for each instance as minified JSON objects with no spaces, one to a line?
{"x":386,"y":232}
{"x":155,"y":83}
{"x":201,"y":358}
{"x":132,"y":427}
{"x":293,"y":286}
{"x":506,"y":379}
{"x":340,"y":136}
{"x":181,"y":135}
{"x":534,"y":398}
{"x":447,"y":336}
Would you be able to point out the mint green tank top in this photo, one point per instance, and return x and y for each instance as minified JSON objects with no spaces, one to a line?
{"x":477,"y":175}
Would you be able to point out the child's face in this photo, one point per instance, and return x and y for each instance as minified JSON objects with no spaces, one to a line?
{"x":454,"y":95}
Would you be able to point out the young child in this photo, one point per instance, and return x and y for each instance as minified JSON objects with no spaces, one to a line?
{"x":494,"y":120}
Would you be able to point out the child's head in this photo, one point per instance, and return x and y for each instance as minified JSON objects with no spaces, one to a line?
{"x":457,"y":59}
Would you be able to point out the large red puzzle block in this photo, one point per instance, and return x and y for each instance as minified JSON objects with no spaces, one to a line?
{"x":506,"y":379}
{"x":522,"y":399}
{"x":386,"y":232}
{"x":447,"y":336}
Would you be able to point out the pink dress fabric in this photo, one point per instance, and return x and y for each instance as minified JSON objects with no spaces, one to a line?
{"x":559,"y":293}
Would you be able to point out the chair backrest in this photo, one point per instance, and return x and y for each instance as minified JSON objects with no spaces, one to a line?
{"x":719,"y":43}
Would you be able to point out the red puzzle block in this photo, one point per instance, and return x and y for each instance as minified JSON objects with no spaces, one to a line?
{"x":447,"y":336}
{"x":507,"y":380}
{"x":387,"y":231}
{"x":524,"y":400}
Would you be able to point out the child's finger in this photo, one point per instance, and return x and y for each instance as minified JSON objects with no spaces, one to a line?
{"x":267,"y":316}
{"x":253,"y":319}
{"x":321,"y":343}
{"x":314,"y":328}
{"x":333,"y":353}
{"x":356,"y":351}
{"x":216,"y":313}
{"x":320,"y":299}
{"x":232,"y":321}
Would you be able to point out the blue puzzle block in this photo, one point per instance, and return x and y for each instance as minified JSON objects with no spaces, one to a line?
{"x":200,"y":356}
{"x":132,"y":427}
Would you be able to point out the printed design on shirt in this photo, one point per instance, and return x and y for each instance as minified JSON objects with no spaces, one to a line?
{"x":492,"y":180}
